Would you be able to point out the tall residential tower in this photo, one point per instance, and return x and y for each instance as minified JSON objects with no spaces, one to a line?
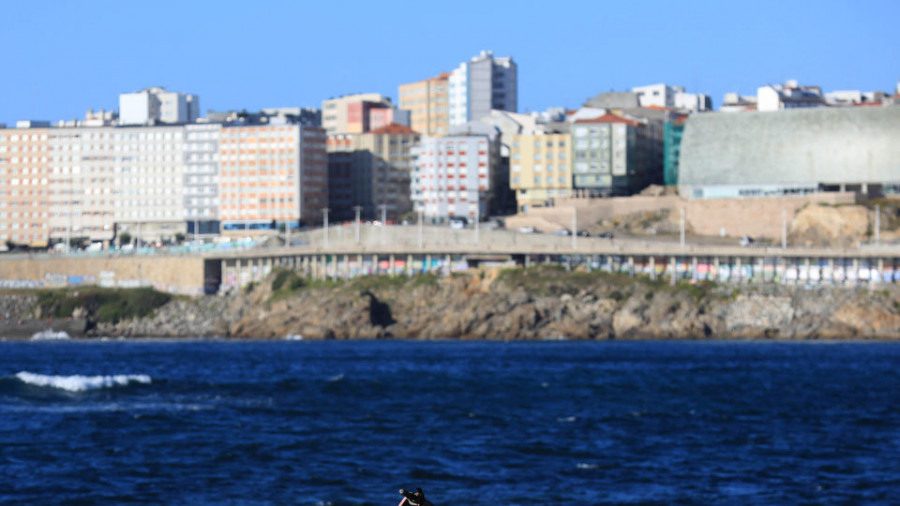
{"x":481,"y":84}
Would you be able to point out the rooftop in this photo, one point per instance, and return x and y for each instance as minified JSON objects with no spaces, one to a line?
{"x":395,"y":128}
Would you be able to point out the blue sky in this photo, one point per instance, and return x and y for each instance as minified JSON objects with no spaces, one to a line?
{"x":62,"y":58}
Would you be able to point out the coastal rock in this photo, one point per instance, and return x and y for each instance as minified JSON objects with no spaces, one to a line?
{"x":539,"y":303}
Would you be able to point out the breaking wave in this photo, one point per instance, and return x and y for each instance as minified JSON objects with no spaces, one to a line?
{"x":79,"y":383}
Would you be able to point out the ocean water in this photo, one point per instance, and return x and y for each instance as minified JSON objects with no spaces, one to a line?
{"x":470,"y":422}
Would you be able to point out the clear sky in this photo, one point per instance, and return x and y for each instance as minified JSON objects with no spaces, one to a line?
{"x":62,"y":58}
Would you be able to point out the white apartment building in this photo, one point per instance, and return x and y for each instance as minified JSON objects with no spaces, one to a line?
{"x":101,"y":178}
{"x":452,"y":177}
{"x":481,"y":84}
{"x":201,"y":178}
{"x":155,"y":105}
{"x":672,"y":97}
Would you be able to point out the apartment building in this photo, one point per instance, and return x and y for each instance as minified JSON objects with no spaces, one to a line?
{"x":350,"y":113}
{"x":453,"y":176}
{"x":604,"y":152}
{"x":24,"y":186}
{"x":271,"y":173}
{"x":201,"y":178}
{"x":152,"y":106}
{"x":672,"y":97}
{"x":428,"y":104}
{"x":540,"y":168}
{"x":481,"y":84}
{"x":105,"y":178}
{"x":372,"y":171}
{"x":92,"y":183}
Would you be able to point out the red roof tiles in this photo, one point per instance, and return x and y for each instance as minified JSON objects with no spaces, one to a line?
{"x":394,"y":128}
{"x":609,"y":118}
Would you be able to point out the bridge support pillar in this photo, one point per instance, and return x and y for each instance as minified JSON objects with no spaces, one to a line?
{"x":694,"y":269}
{"x":761,"y":269}
{"x":448,"y":262}
{"x":653,"y":268}
{"x":716,"y":268}
{"x":409,"y":265}
{"x":831,"y":270}
{"x":673,"y":275}
{"x":855,"y":270}
{"x":631,"y":266}
{"x":880,"y":270}
{"x":223,"y":281}
{"x":346,"y":266}
{"x":391,"y":265}
{"x":375,"y":267}
{"x":739,"y":271}
{"x":427,"y":263}
{"x":527,"y":261}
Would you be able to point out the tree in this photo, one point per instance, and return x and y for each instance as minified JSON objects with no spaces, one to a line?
{"x":179,"y":238}
{"x":124,"y":238}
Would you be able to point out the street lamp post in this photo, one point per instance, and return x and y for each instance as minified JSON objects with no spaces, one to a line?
{"x":383,"y":220}
{"x":419,"y":224}
{"x":357,"y":209}
{"x":574,"y":227}
{"x":477,"y":219}
{"x":325,"y":226}
{"x":682,"y":227}
{"x":877,"y":225}
{"x":783,"y":227}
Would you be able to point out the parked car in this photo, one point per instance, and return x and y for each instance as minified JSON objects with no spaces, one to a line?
{"x":606,"y":235}
{"x":562,"y":232}
{"x":584,"y":233}
{"x":747,"y":241}
{"x":527,"y":230}
{"x":458,"y":222}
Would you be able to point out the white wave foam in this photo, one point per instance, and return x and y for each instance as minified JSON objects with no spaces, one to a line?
{"x":585,"y":465}
{"x":78,"y":383}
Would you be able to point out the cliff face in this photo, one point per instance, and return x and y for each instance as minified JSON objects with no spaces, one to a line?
{"x":538,"y":303}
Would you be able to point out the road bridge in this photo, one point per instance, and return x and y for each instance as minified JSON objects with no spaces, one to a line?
{"x":345,"y":252}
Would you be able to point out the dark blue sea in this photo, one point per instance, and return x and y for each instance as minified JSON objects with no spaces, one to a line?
{"x":346,"y":423}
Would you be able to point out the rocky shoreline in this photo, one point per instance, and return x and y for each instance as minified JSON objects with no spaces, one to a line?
{"x":539,"y":303}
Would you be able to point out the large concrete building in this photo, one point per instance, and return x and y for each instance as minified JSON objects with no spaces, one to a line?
{"x":372,"y":171}
{"x":25,"y":172}
{"x":672,"y":97}
{"x":453,"y":177}
{"x":791,"y":152}
{"x":540,"y":168}
{"x":90,"y":183}
{"x":272,"y":173}
{"x":152,"y":106}
{"x":481,"y":84}
{"x":350,"y":113}
{"x":428,"y":103}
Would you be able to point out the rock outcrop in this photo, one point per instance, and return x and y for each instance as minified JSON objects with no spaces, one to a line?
{"x":540,"y":303}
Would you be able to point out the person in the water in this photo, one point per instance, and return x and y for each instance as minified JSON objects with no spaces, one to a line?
{"x":414,"y":499}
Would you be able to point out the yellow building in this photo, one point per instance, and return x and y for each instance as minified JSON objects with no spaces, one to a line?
{"x":540,"y":168}
{"x":428,"y":104}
